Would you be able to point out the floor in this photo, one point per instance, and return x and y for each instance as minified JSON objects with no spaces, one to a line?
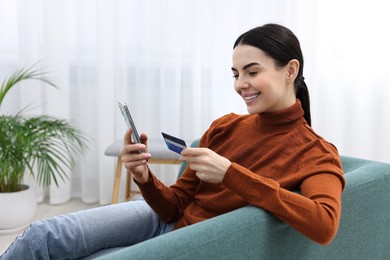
{"x":45,"y":210}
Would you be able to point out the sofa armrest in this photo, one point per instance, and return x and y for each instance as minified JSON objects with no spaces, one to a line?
{"x":248,"y":232}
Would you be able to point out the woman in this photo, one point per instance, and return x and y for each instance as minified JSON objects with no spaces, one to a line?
{"x":256,"y":159}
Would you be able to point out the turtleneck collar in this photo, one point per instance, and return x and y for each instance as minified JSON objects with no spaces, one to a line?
{"x":282,"y":119}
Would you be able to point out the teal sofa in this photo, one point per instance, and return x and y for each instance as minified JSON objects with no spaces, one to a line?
{"x":252,"y":233}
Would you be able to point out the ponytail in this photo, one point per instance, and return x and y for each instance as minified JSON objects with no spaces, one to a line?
{"x":302,"y":94}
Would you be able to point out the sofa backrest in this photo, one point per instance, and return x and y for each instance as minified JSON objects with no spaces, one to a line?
{"x":184,"y":164}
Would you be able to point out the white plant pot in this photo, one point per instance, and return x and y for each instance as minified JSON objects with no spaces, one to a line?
{"x":17,"y":210}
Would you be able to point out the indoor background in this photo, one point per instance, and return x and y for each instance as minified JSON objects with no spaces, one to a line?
{"x":170,"y":61}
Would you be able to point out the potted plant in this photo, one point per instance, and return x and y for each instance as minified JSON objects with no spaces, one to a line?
{"x":42,"y":146}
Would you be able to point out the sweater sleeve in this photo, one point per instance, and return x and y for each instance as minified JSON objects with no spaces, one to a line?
{"x":315,"y":212}
{"x":170,"y":202}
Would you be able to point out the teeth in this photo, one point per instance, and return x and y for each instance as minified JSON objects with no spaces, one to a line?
{"x":251,"y":97}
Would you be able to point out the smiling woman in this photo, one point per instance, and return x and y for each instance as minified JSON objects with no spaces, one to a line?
{"x":286,"y":155}
{"x":273,"y":68}
{"x":174,"y":53}
{"x":263,"y":83}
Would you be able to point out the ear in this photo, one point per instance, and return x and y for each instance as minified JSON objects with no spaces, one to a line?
{"x":292,"y":70}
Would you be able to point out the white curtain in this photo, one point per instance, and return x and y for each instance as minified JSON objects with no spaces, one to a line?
{"x":170,"y":61}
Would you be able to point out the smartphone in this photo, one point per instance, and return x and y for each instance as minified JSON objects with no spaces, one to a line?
{"x":129,"y":121}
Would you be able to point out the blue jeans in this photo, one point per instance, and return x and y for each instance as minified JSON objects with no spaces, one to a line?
{"x":85,"y":232}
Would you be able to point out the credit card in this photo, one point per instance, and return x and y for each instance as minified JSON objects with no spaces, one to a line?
{"x":174,"y":144}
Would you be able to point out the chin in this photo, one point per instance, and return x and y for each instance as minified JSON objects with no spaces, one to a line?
{"x":252,"y":110}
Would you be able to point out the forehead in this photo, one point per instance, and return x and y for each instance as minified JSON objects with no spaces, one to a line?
{"x":245,"y":54}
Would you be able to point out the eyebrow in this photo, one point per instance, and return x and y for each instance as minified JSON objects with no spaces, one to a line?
{"x":247,"y":66}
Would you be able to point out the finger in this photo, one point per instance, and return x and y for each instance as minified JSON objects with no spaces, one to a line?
{"x":193,"y":151}
{"x":190,"y":159}
{"x":202,"y":176}
{"x":197,"y":155}
{"x":198,"y":167}
{"x":194,"y":154}
{"x":132,"y":165}
{"x":144,"y":139}
{"x":127,"y":137}
{"x":133,"y":160}
{"x":194,"y":166}
{"x":132,"y":149}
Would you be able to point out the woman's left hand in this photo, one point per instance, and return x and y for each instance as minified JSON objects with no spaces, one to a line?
{"x":208,"y":165}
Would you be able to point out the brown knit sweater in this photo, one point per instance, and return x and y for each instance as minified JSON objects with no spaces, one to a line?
{"x":272,"y":155}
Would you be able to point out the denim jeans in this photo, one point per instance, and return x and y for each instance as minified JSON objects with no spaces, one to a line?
{"x":85,"y":232}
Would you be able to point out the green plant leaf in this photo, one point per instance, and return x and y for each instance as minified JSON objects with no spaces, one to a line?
{"x":29,"y":73}
{"x":43,"y":145}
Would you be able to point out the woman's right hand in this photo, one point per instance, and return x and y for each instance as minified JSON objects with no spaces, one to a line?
{"x":135,"y":162}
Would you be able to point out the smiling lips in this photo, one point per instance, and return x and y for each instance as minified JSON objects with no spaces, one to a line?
{"x":249,"y":98}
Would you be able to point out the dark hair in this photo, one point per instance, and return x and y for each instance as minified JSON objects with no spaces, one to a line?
{"x":282,"y":45}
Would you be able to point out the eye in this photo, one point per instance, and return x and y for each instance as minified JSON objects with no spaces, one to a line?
{"x":252,"y":73}
{"x":235,"y":76}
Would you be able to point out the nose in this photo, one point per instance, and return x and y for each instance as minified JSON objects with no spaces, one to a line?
{"x":241,"y":83}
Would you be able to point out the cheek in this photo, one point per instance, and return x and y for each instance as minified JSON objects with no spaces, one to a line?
{"x":274,"y":93}
{"x":261,"y":85}
{"x":271,"y":84}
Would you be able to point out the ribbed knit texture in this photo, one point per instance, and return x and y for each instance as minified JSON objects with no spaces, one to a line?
{"x":273,"y":155}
